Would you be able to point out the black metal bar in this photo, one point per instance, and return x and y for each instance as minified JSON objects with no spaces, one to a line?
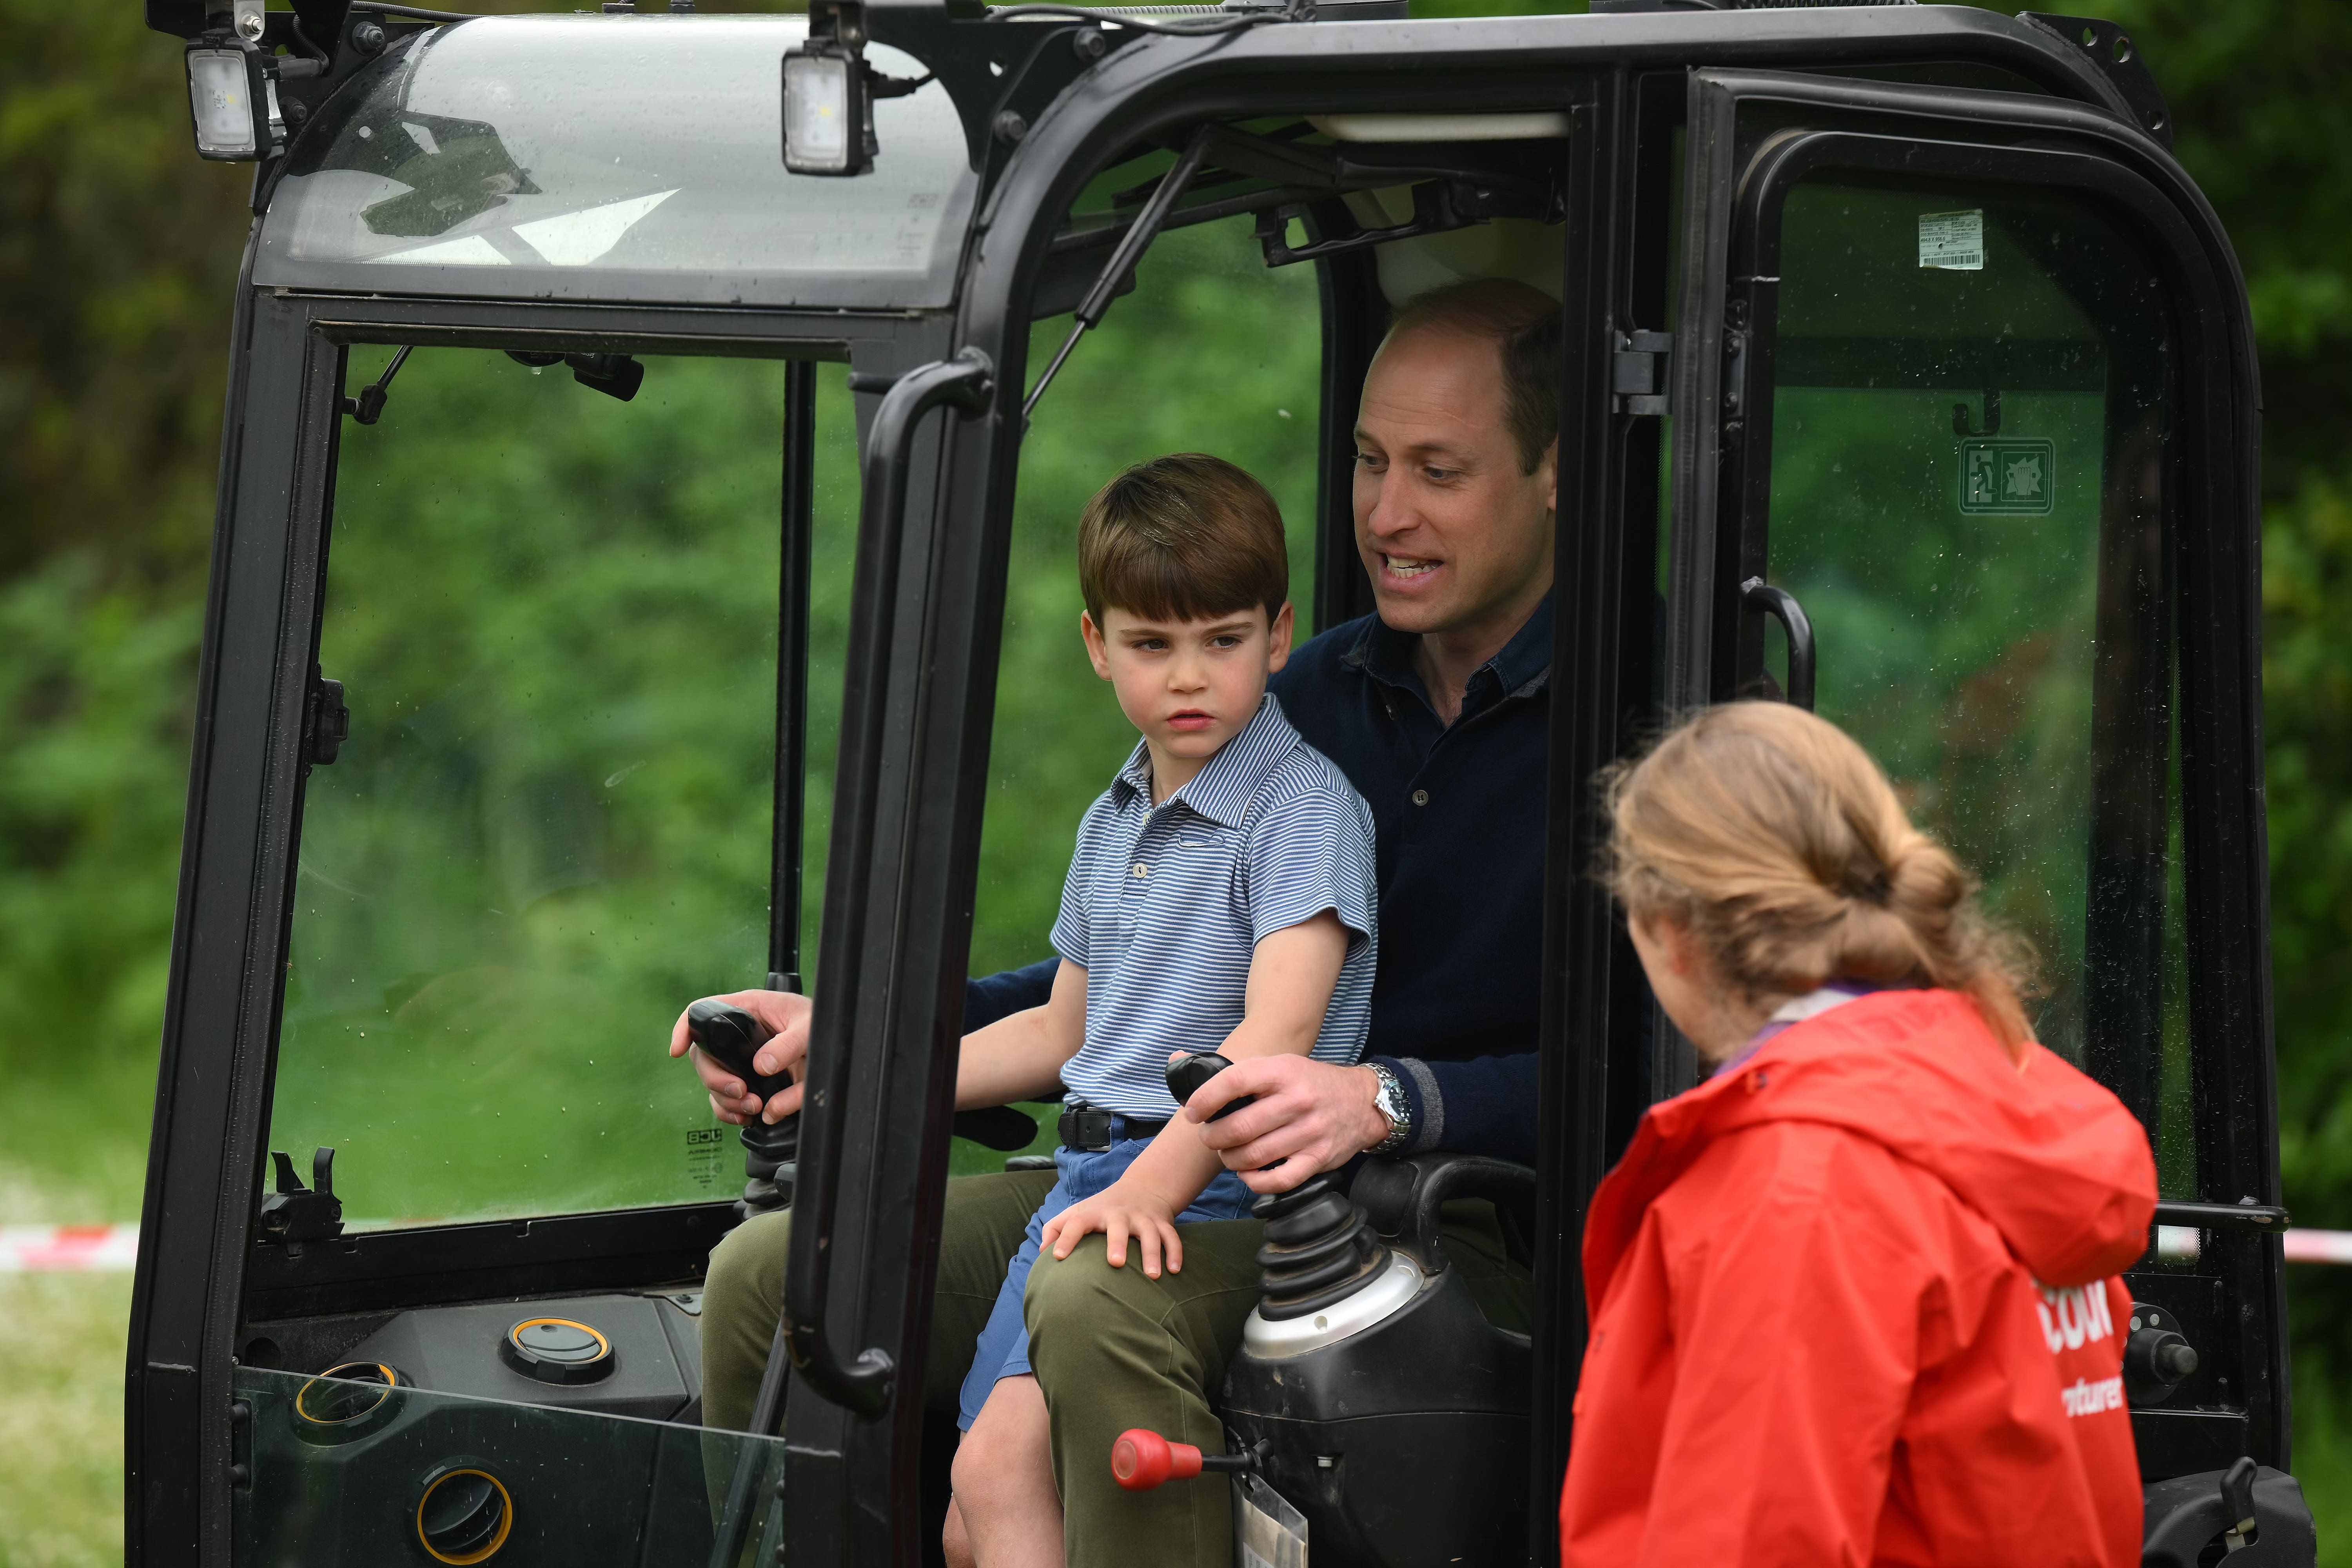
{"x":1131,"y":246}
{"x":2220,"y":1216}
{"x":1762,"y":597}
{"x":791,"y":677}
{"x":862,"y":1386}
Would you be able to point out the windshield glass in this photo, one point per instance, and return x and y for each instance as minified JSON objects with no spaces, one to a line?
{"x":612,"y":158}
{"x":554,"y":615}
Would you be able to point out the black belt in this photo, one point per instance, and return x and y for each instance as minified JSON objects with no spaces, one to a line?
{"x":1090,"y":1130}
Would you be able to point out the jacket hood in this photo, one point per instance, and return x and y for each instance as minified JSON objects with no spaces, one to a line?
{"x":2051,"y":1159}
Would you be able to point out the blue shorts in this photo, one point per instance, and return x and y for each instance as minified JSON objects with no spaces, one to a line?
{"x":1003,"y":1347}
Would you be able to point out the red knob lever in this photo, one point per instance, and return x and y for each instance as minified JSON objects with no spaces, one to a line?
{"x":1142,"y":1459}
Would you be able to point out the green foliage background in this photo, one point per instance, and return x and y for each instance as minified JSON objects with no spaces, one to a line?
{"x":118,"y":254}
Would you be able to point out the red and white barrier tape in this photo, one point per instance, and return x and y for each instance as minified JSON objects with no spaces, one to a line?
{"x":67,"y":1248}
{"x":70,"y":1249}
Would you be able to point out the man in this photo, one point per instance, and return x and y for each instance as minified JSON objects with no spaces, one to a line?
{"x":1436,"y":708}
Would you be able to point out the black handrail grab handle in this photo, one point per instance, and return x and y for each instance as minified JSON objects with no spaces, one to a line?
{"x":1780,"y":605}
{"x":2218,"y":1216}
{"x":967,"y":384}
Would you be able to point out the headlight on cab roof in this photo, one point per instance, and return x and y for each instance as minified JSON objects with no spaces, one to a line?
{"x":232,"y":100}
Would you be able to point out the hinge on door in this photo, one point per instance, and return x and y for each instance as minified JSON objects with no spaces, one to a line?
{"x":1638,"y":371}
{"x":326,"y":722}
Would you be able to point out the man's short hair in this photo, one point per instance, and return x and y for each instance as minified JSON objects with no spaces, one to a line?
{"x":1524,"y":324}
{"x":1182,"y":538}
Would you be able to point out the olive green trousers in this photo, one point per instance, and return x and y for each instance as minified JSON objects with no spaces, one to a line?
{"x":1112,"y":1349}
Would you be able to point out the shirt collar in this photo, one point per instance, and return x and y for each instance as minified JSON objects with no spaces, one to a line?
{"x":1221,"y":791}
{"x":1386,"y":654}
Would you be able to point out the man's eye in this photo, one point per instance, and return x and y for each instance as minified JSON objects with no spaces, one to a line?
{"x":1440,"y":475}
{"x":1368,"y":460}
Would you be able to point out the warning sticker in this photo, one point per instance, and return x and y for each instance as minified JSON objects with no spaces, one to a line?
{"x":1953,"y":241}
{"x":2006,"y":477}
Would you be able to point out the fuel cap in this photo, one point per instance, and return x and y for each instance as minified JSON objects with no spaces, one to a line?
{"x":558,"y":1349}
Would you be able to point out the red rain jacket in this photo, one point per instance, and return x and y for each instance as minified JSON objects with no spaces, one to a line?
{"x":1852,"y":1302}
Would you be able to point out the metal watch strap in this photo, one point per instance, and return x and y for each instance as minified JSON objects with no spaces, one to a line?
{"x":1393,"y":1105}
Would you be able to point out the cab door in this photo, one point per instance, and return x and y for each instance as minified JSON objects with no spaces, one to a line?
{"x":1963,"y":457}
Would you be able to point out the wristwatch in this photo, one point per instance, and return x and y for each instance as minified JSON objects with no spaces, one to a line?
{"x":1390,"y":1098}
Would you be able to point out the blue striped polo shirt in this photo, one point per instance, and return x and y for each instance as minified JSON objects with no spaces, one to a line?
{"x":1165,"y":905}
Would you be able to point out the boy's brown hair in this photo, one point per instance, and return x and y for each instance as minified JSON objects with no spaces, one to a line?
{"x":1182,"y":538}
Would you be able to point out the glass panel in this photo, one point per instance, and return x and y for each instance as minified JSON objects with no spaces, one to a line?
{"x":613,"y":158}
{"x":1970,"y":404}
{"x":1238,"y":351}
{"x":356,"y":1472}
{"x":554,"y":615}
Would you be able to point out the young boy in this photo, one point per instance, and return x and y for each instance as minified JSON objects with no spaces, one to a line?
{"x":1221,"y":898}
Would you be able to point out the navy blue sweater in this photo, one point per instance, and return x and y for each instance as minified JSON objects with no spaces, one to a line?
{"x":1459,"y":815}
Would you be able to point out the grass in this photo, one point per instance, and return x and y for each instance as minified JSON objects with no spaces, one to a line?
{"x":62,"y":1418}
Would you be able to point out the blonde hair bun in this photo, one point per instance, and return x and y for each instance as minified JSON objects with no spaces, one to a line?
{"x":1776,"y":840}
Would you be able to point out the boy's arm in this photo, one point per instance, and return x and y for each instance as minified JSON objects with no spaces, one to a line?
{"x":1293,"y":973}
{"x":1021,"y":1056}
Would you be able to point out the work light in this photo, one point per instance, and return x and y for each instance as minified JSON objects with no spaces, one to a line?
{"x":826,"y":110}
{"x":233,"y":96}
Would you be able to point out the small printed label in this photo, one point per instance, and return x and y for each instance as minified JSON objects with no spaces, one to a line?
{"x":1953,"y":241}
{"x":2006,"y":477}
{"x":705,"y":1148}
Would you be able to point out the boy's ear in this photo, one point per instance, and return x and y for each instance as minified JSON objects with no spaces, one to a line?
{"x":1097,"y":649}
{"x":1278,"y":635}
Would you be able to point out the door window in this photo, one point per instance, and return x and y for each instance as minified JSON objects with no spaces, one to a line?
{"x":1968,"y":424}
{"x":554,"y":615}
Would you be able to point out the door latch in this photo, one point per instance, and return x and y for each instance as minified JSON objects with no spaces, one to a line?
{"x":295,"y":1213}
{"x":1638,"y":371}
{"x":326,"y":722}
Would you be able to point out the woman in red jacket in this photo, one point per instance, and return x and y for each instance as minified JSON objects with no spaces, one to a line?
{"x":1853,"y":1298}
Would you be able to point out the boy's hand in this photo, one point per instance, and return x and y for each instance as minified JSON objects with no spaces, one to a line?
{"x":1119,"y":1211}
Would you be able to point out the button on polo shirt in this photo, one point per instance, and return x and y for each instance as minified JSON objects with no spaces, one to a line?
{"x":1164,"y":906}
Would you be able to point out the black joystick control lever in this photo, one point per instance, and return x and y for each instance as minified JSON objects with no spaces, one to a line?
{"x":1319,"y":1248}
{"x":730,"y":1037}
{"x":1187,"y":1074}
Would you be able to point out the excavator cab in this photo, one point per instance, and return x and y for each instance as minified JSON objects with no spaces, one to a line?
{"x":641,"y":559}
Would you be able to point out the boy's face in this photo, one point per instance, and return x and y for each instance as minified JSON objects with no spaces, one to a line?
{"x":1189,"y":686}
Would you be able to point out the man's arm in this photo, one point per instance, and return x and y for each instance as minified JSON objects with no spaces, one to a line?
{"x":785,"y":1015}
{"x":1484,"y":1106}
{"x":1314,"y":1117}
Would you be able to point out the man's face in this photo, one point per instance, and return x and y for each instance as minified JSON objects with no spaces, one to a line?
{"x":1189,"y":686}
{"x":1452,"y":528}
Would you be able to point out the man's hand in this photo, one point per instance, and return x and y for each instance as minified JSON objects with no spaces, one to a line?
{"x":1122,"y":1210}
{"x":1310,"y":1115}
{"x":785,"y":1017}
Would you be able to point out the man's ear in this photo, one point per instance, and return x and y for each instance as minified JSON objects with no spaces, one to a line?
{"x":1551,"y":475}
{"x":1097,"y":649}
{"x":1278,"y":635}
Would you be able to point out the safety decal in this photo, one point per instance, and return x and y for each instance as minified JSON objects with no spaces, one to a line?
{"x":2006,"y":477}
